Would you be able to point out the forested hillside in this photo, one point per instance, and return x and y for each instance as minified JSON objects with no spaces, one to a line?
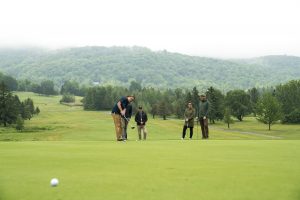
{"x":162,"y":69}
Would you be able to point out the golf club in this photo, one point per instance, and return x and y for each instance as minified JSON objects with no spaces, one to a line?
{"x":132,"y":127}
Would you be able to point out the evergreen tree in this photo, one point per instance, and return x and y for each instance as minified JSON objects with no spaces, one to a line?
{"x":20,"y":123}
{"x":37,"y":110}
{"x":8,"y":106}
{"x":227,"y":117}
{"x":254,"y":96}
{"x":216,"y":100}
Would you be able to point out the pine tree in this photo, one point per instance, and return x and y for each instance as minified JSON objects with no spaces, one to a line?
{"x":19,"y":123}
{"x":9,"y":105}
{"x":227,"y":117}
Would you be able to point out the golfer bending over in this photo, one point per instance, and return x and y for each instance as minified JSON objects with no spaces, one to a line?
{"x":125,"y":120}
{"x":141,"y":119}
{"x":119,"y":110}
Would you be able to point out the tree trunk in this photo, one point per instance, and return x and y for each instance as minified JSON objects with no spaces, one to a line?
{"x":269,"y":126}
{"x":164,"y":117}
{"x":228,"y":125}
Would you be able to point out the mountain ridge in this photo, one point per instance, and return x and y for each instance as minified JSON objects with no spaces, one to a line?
{"x":159,"y":69}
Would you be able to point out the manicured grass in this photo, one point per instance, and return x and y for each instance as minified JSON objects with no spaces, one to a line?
{"x":79,"y":148}
{"x":165,"y":169}
{"x":60,"y":122}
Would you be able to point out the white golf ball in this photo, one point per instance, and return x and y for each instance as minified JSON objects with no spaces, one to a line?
{"x":54,"y":182}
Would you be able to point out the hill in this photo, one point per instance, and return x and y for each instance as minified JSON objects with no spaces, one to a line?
{"x":161,"y":69}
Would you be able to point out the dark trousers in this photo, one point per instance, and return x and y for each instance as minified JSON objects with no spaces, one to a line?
{"x":204,"y":127}
{"x":184,"y":131}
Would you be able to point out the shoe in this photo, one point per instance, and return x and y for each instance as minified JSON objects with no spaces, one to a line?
{"x":182,"y":138}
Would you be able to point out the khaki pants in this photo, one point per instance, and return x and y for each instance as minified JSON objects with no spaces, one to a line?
{"x":142,"y":129}
{"x":124,"y":124}
{"x":118,"y":127}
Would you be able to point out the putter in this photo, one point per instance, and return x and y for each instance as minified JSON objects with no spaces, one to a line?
{"x":132,"y":127}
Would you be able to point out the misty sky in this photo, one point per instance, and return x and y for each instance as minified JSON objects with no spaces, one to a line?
{"x":215,"y":28}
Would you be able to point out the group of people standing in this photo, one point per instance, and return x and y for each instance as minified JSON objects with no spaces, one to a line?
{"x":122,"y":112}
{"x":190,"y":114}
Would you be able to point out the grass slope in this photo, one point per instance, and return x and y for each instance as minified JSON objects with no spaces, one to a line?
{"x":61,"y":122}
{"x":78,"y":148}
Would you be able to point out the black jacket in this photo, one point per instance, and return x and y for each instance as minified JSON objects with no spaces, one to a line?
{"x":141,"y":118}
{"x":128,"y":112}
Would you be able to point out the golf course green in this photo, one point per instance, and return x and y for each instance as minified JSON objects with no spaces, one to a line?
{"x":79,"y":149}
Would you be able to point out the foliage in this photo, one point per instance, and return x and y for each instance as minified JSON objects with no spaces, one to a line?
{"x":119,"y":66}
{"x":20,"y":123}
{"x":288,"y":95}
{"x":68,"y":98}
{"x":216,"y":100}
{"x":268,"y":109}
{"x":239,"y":103}
{"x":9,"y":81}
{"x":11,"y":107}
{"x":227,"y":117}
{"x":292,"y":118}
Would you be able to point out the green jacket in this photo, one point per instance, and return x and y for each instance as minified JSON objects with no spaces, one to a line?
{"x":189,"y":114}
{"x":203,"y":109}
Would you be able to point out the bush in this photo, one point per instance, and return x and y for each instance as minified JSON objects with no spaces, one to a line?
{"x":68,"y":98}
{"x":293,"y":117}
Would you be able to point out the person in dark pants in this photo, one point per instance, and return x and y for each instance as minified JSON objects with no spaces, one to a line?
{"x":189,"y":115}
{"x":141,"y":119}
{"x":119,"y":110}
{"x":203,"y":109}
{"x":125,"y":120}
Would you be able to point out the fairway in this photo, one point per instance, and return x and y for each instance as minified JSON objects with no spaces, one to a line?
{"x":79,"y":148}
{"x":150,"y":170}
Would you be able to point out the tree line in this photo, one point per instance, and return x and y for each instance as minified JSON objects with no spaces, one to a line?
{"x":268,"y":105}
{"x":14,"y":111}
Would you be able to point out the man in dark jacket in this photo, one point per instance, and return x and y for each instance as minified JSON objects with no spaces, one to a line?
{"x":203,"y":109}
{"x":141,"y":119}
{"x":125,"y":120}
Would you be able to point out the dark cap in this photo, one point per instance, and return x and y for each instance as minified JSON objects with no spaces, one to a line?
{"x":140,"y":107}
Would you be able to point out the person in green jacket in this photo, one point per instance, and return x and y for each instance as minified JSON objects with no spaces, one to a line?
{"x":203,"y":109}
{"x":189,"y":115}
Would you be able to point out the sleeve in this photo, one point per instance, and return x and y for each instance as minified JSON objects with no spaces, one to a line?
{"x":207,"y":110}
{"x":136,"y":117}
{"x":193,"y":114}
{"x":185,"y":114}
{"x":146,"y":118}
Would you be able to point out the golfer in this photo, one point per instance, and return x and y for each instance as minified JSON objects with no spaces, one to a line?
{"x":189,"y":115}
{"x":203,"y":109}
{"x":125,"y":120}
{"x":141,"y":119}
{"x":119,"y":110}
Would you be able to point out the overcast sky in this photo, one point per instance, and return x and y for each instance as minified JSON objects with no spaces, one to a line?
{"x":215,"y":28}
